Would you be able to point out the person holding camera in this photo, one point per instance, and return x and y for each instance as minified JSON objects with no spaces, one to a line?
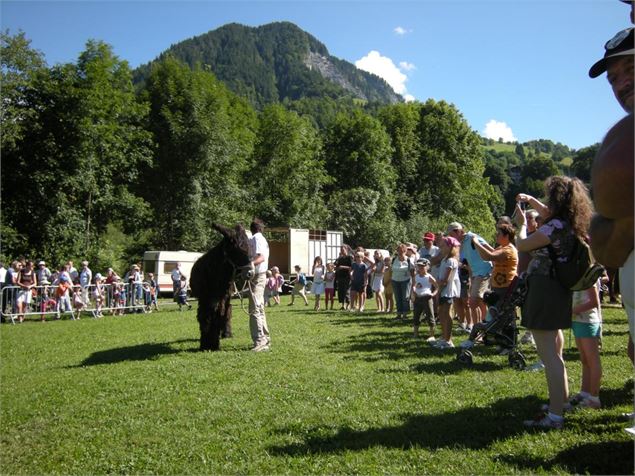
{"x":548,"y":306}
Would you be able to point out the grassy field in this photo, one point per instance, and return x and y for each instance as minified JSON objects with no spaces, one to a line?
{"x":338,"y":394}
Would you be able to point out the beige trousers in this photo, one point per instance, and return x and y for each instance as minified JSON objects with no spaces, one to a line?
{"x":257,"y":317}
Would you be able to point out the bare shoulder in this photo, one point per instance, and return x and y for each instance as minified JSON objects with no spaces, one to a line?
{"x":612,"y":171}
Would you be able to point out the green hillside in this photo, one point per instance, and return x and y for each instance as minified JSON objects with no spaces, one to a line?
{"x":274,"y":63}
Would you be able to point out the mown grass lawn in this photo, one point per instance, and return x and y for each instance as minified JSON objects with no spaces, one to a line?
{"x":338,"y":394}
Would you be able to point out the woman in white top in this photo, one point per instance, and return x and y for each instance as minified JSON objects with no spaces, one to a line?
{"x":450,"y":288}
{"x":402,"y":272}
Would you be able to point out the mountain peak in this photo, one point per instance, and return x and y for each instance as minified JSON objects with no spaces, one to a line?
{"x":276,"y":62}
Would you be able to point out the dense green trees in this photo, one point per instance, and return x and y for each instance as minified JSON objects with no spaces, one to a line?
{"x":69,"y":171}
{"x":94,"y":168}
{"x":288,"y":174}
{"x":202,"y":147}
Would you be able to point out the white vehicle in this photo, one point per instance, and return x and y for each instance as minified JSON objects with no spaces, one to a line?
{"x":162,"y":263}
{"x":289,"y":247}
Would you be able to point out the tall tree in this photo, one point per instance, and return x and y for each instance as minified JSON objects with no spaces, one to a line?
{"x":401,"y":122}
{"x":19,"y":65}
{"x":534,"y":173}
{"x":582,"y":161}
{"x":70,"y":171}
{"x":451,"y":169}
{"x":203,"y":136}
{"x":288,"y":175}
{"x":358,"y":152}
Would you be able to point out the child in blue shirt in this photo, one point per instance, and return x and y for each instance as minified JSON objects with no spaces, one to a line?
{"x":299,"y":286}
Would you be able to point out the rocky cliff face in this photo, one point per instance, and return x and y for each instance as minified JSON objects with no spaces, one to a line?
{"x":315,"y":61}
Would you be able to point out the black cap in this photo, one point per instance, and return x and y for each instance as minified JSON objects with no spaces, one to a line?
{"x":620,"y":45}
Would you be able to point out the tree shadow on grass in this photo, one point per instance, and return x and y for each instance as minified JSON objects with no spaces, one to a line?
{"x":454,"y":366}
{"x":398,"y":343}
{"x":445,"y":430}
{"x":135,"y":352}
{"x":612,"y":397}
{"x":379,"y":345}
{"x":605,"y":457}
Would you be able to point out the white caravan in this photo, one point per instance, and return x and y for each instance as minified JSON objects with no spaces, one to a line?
{"x":162,"y":263}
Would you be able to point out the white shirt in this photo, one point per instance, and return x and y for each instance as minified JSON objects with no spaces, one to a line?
{"x":258,"y":246}
{"x":423,"y":285}
{"x":452,"y":288}
{"x":85,"y":277}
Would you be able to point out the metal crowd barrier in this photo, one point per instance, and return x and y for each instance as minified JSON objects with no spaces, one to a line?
{"x":45,"y":301}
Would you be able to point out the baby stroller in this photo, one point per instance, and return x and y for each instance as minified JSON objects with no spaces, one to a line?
{"x":500,"y":329}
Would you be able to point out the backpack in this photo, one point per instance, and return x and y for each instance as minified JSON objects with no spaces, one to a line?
{"x":579,"y":272}
{"x":302,"y":279}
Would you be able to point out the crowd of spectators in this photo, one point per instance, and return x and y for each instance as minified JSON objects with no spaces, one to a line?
{"x":448,"y":277}
{"x":30,"y":288}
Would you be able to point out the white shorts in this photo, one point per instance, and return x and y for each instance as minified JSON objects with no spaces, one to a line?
{"x":24,"y":297}
{"x":378,"y":284}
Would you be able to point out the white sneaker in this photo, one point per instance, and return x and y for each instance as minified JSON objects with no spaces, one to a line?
{"x":537,"y":367}
{"x":588,"y":403}
{"x":431,"y":339}
{"x":443,"y":344}
{"x":544,"y":422}
{"x":264,"y":347}
{"x":566,"y":407}
{"x":527,"y":338}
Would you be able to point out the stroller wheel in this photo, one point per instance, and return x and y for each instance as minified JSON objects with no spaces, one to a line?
{"x":465,"y":357}
{"x":517,"y":361}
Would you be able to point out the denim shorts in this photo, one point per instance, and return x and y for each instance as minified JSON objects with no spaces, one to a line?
{"x":586,"y":329}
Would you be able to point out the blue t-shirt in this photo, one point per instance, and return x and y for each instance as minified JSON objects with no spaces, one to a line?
{"x":479,"y":266}
{"x":359,"y":271}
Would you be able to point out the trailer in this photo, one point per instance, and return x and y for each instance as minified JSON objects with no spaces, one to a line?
{"x":289,"y":247}
{"x":162,"y":263}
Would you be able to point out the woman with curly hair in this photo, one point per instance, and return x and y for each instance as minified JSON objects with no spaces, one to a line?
{"x":547,"y":309}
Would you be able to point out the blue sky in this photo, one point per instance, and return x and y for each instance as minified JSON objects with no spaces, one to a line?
{"x":519,"y":65}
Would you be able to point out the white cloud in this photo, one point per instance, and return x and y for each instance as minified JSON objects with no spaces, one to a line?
{"x":405,"y":66}
{"x":384,"y":67}
{"x":496,"y":129}
{"x":409,"y":98}
{"x":401,"y":31}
